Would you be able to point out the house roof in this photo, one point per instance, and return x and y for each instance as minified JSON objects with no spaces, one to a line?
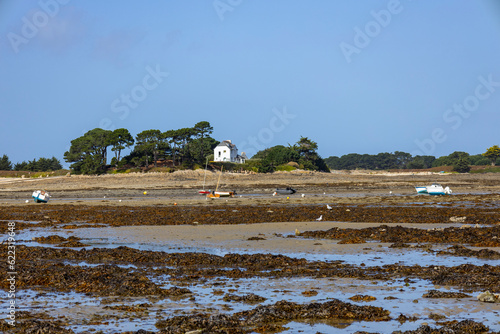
{"x":227,"y":143}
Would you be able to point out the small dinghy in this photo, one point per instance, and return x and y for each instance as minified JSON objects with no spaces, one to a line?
{"x":285,"y":191}
{"x":434,"y":189}
{"x":40,"y":196}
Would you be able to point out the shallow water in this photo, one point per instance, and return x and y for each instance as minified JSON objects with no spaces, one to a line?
{"x":369,"y":254}
{"x":87,"y":313}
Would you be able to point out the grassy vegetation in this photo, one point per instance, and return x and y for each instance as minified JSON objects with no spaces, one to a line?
{"x":27,"y":174}
{"x":285,"y":168}
{"x":485,"y":169}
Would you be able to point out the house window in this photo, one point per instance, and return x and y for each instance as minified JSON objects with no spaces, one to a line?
{"x":219,"y":153}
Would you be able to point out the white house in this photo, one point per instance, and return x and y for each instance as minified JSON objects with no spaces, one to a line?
{"x":227,"y":151}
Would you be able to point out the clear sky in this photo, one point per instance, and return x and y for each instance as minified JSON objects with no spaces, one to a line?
{"x":355,"y":76}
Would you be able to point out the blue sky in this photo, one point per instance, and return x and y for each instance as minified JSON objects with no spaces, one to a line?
{"x":355,"y":76}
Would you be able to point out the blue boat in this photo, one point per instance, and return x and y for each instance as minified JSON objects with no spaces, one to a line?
{"x":434,"y":189}
{"x":40,"y":196}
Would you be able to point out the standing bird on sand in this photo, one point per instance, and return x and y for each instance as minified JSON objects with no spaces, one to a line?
{"x":320,"y":218}
{"x":328,"y":207}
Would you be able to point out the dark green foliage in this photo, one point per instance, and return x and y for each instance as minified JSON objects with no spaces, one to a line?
{"x":381,"y":161}
{"x":203,"y":144}
{"x":479,"y":160}
{"x":452,"y":159}
{"x":5,"y":163}
{"x":265,"y":166}
{"x":88,"y":152}
{"x":40,"y":165}
{"x":119,"y":140}
{"x":461,"y":166}
{"x":303,"y":152}
{"x":199,"y":148}
{"x":151,"y":143}
{"x":277,"y":155}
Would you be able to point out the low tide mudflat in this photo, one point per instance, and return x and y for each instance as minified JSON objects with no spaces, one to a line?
{"x":104,"y":256}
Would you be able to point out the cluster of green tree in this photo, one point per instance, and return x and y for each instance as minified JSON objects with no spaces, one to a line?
{"x":493,"y":154}
{"x":461,"y":161}
{"x":302,"y":154}
{"x":40,"y":165}
{"x":5,"y":163}
{"x":88,"y":153}
{"x":396,"y":160}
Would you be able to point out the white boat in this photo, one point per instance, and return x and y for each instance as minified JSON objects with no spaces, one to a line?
{"x":40,"y":196}
{"x":433,"y":189}
{"x":421,"y":190}
{"x":217,"y":193}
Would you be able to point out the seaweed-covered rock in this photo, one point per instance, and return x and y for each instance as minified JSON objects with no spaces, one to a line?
{"x":250,"y":298}
{"x":462,"y":327}
{"x":443,"y":294}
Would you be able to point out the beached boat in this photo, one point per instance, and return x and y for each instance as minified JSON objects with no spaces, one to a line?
{"x":217,"y":193}
{"x":40,"y":196}
{"x":421,"y":189}
{"x":433,"y":189}
{"x":285,"y":191}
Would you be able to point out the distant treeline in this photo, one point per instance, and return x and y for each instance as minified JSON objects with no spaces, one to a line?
{"x":40,"y":165}
{"x":402,"y":160}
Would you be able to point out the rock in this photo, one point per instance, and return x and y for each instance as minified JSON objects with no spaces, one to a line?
{"x":443,"y":294}
{"x":489,"y":297}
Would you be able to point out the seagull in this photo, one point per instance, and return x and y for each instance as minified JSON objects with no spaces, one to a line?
{"x":328,"y":207}
{"x":390,"y":192}
{"x":320,"y":218}
{"x":303,"y":195}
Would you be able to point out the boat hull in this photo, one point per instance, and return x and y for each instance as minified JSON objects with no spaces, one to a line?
{"x":421,"y":190}
{"x":218,"y":194}
{"x":434,"y":189}
{"x":40,"y":196}
{"x":287,"y":191}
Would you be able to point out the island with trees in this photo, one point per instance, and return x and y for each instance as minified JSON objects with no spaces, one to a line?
{"x":192,"y":147}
